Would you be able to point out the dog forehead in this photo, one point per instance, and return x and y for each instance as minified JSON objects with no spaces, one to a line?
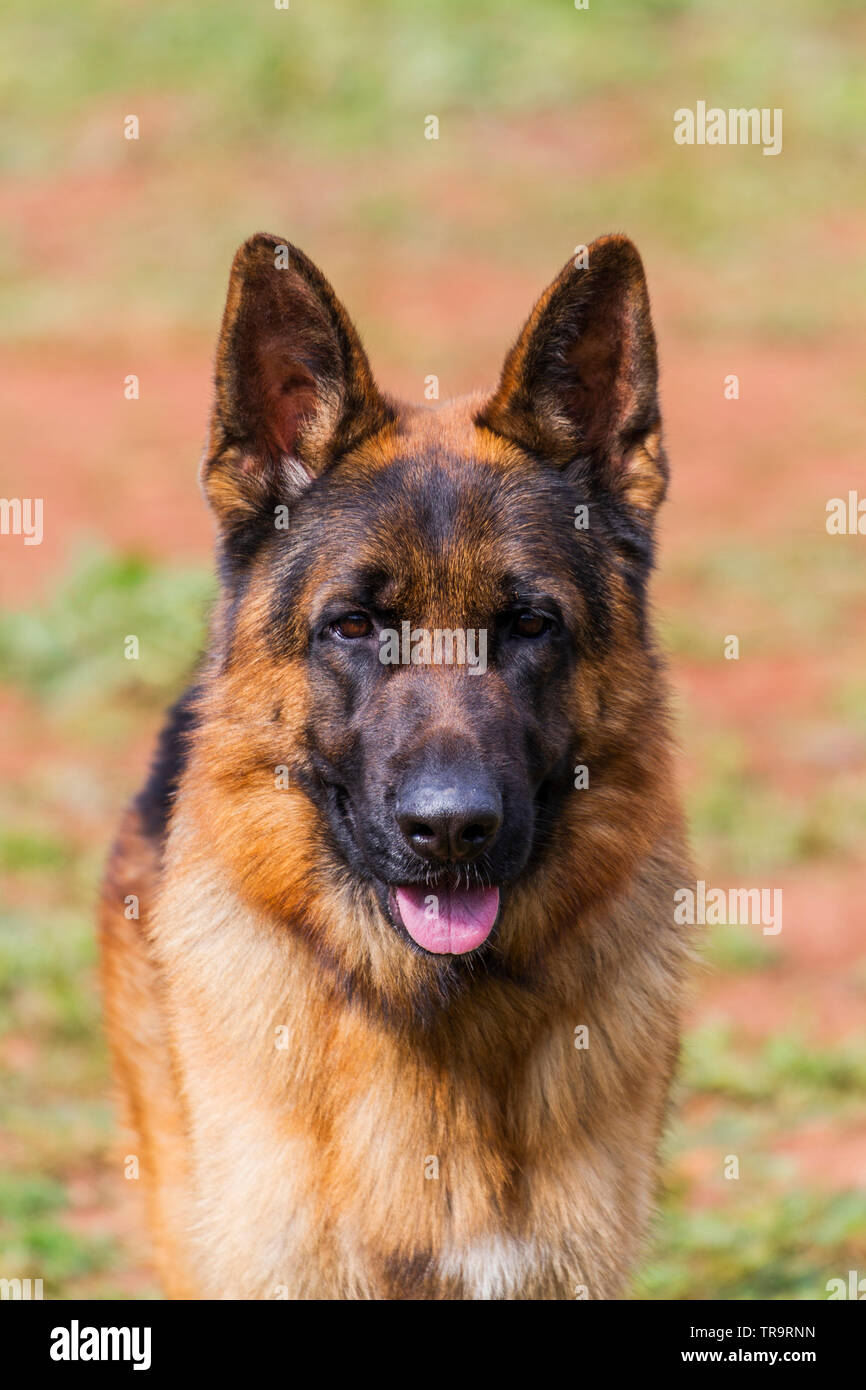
{"x":426,"y":526}
{"x":437,"y":528}
{"x":441,"y":481}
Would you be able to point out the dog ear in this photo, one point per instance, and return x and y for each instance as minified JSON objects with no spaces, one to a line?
{"x":294,"y":390}
{"x":580,"y":386}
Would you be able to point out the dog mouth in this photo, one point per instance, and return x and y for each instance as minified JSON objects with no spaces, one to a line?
{"x":443,"y":919}
{"x":440,"y":916}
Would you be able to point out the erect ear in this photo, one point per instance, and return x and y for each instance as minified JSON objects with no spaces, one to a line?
{"x":294,"y":388}
{"x":580,"y":385}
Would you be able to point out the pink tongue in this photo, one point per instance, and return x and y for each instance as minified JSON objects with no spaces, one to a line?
{"x":448,"y":920}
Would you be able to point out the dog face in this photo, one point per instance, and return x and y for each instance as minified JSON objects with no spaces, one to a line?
{"x":439,"y":621}
{"x":431,"y":619}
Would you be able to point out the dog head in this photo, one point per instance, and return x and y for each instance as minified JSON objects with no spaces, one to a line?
{"x":433,"y":690}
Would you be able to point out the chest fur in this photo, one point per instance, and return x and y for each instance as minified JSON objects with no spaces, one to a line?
{"x":334,"y":1155}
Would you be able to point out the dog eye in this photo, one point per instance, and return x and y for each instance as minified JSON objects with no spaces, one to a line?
{"x":352,"y":625}
{"x":529,"y":624}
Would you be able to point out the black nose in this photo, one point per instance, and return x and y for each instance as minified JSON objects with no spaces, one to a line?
{"x":449,"y":818}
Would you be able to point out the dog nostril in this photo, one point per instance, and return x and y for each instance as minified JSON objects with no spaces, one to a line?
{"x":418,"y":831}
{"x":473,"y":834}
{"x":472,"y":837}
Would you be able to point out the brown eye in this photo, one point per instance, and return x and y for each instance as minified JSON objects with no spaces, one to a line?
{"x":528,"y":624}
{"x":352,"y":625}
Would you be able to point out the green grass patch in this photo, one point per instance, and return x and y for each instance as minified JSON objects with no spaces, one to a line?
{"x":741,"y":950}
{"x":742,"y":826}
{"x":338,"y":73}
{"x":716,"y":1062}
{"x":72,"y":650}
{"x":47,"y":985}
{"x":24,"y":851}
{"x":769,"y":603}
{"x":36,"y":1244}
{"x":754,"y":1246}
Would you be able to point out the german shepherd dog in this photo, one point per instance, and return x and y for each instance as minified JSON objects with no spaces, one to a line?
{"x":391,"y":971}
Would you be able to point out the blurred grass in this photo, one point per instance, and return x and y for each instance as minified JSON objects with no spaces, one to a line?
{"x":70,"y":652}
{"x":338,"y":74}
{"x":35,"y":1241}
{"x":765,"y":600}
{"x":758,"y":1235}
{"x":740,"y":818}
{"x":256,"y":117}
{"x":756,"y":1245}
{"x":54,"y":1065}
{"x":738,"y":950}
{"x":67,"y":657}
{"x":715,"y":1062}
{"x":555,"y":125}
